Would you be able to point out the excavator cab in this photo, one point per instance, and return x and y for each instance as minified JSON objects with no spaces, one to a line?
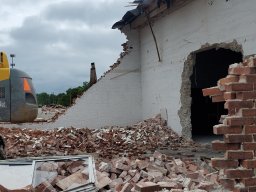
{"x":18,"y":103}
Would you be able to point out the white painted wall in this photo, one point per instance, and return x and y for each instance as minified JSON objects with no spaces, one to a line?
{"x":182,"y":32}
{"x":114,"y":100}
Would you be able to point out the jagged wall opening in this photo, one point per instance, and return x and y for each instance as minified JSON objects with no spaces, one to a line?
{"x":210,"y":66}
{"x":209,"y":58}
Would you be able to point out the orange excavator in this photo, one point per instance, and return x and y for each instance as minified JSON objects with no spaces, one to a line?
{"x":18,"y":103}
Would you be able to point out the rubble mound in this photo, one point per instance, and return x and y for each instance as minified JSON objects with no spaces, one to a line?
{"x":49,"y":113}
{"x":107,"y":142}
{"x":128,"y":158}
{"x":156,"y":173}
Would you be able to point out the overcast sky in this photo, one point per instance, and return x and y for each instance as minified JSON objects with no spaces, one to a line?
{"x":56,"y":40}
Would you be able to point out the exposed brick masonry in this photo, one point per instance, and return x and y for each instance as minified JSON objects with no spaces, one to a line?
{"x":238,"y":90}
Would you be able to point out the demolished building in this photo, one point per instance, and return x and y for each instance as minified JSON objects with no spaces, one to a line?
{"x":174,"y":50}
{"x":195,"y":42}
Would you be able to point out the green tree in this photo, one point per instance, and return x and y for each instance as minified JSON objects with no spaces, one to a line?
{"x":65,"y":99}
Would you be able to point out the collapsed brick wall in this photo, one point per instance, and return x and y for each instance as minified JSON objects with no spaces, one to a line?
{"x":238,"y":90}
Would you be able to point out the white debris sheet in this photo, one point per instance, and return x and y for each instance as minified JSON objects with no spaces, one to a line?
{"x":14,"y":176}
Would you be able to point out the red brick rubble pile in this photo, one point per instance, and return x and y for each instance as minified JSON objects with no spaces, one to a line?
{"x":108,"y":142}
{"x":50,"y":113}
{"x":64,"y":175}
{"x":156,"y":173}
{"x":238,"y":90}
{"x":135,"y":170}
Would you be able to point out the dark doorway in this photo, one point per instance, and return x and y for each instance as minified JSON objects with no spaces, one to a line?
{"x":210,"y":66}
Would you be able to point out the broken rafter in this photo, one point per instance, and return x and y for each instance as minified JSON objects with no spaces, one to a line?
{"x":154,"y":37}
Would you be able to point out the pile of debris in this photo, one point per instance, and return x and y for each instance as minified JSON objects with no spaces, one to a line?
{"x":49,"y":113}
{"x":108,"y":142}
{"x":124,"y":161}
{"x":157,"y":173}
{"x":61,"y":175}
{"x":64,"y":174}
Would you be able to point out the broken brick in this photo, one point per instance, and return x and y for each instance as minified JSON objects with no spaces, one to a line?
{"x":147,"y":187}
{"x":229,"y":95}
{"x":249,"y":182}
{"x":224,"y":129}
{"x":221,"y":146}
{"x":249,"y":146}
{"x":211,"y":91}
{"x":250,"y":78}
{"x":127,"y":187}
{"x":239,"y":155}
{"x":232,"y":87}
{"x":228,"y":183}
{"x":218,"y":98}
{"x":249,"y":163}
{"x":233,"y":106}
{"x":239,"y":173}
{"x":237,"y":138}
{"x":239,"y":121}
{"x":247,"y":112}
{"x":224,"y":163}
{"x":241,"y":70}
{"x":246,"y":95}
{"x":250,"y":129}
{"x":228,"y":79}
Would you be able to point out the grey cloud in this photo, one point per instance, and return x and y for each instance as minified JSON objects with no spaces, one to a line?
{"x":34,"y":30}
{"x":86,"y":11}
{"x":59,"y":58}
{"x":14,"y":3}
{"x":37,"y":34}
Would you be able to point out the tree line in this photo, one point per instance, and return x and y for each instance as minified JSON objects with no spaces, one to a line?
{"x":65,"y":99}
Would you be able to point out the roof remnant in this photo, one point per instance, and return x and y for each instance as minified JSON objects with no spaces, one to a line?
{"x":131,"y":15}
{"x":167,"y":2}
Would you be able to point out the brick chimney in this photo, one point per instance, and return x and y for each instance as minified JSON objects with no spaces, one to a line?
{"x":93,"y":75}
